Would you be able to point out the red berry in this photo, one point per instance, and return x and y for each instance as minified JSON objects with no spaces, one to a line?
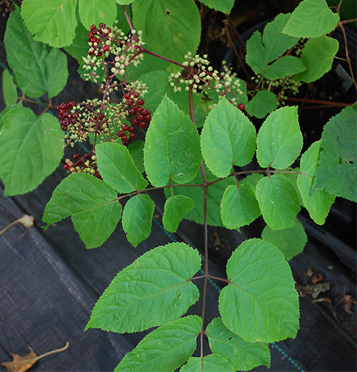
{"x":92,"y":27}
{"x":241,"y":107}
{"x":129,"y":101}
{"x":101,"y":25}
{"x":135,"y":123}
{"x":136,"y":95}
{"x":127,"y":95}
{"x":140,"y":118}
{"x":131,"y":129}
{"x":106,"y":48}
{"x":132,"y":136}
{"x":140,"y":101}
{"x":87,"y":155}
{"x":132,"y":111}
{"x":142,"y":124}
{"x":124,"y":127}
{"x":120,"y":133}
{"x":90,"y":34}
{"x":76,"y":156}
{"x":148,"y":118}
{"x":139,"y":109}
{"x":66,"y":166}
{"x":124,"y":138}
{"x":145,"y":112}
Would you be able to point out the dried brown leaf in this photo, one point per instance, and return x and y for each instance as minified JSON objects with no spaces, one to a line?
{"x":309,"y":272}
{"x":19,"y":363}
{"x":313,"y":289}
{"x":317,"y":278}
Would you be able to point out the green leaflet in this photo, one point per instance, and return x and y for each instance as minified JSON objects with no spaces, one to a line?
{"x":124,"y":2}
{"x":91,"y":204}
{"x":260,"y":302}
{"x":262,"y":50}
{"x":262,"y":104}
{"x":311,"y":18}
{"x":158,"y":84}
{"x":279,"y":139}
{"x":8,"y":88}
{"x":253,"y":179}
{"x":319,"y":203}
{"x":284,"y":66}
{"x":278,"y":201}
{"x":30,"y":149}
{"x":117,"y":168}
{"x":241,"y":354}
{"x":137,"y":218}
{"x":224,"y":6}
{"x":79,"y":46}
{"x":136,"y":150}
{"x":291,"y":241}
{"x":97,"y":11}
{"x":214,"y":197}
{"x":227,"y":139}
{"x":51,"y":22}
{"x":210,"y":363}
{"x":155,"y":289}
{"x":239,"y":206}
{"x":336,"y":171}
{"x":164,"y":349}
{"x":37,"y":68}
{"x":317,"y":56}
{"x":176,"y":208}
{"x":178,"y":21}
{"x":172,"y":151}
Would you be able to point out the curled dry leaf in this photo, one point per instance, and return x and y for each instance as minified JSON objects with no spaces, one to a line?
{"x":313,"y":289}
{"x":317,"y":278}
{"x":309,"y":272}
{"x":349,"y":301}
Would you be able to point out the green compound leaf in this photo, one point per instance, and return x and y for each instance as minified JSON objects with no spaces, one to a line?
{"x":117,"y":168}
{"x":224,"y":6}
{"x":210,"y":363}
{"x":155,"y":289}
{"x":178,"y":21}
{"x":164,"y":349}
{"x":319,"y":203}
{"x":262,"y":104}
{"x":176,"y":208}
{"x":30,"y":149}
{"x":97,"y":11}
{"x":136,"y":150}
{"x":91,"y":204}
{"x":52,"y":22}
{"x":37,"y":68}
{"x":227,"y":139}
{"x":284,"y":66}
{"x":279,"y":139}
{"x":239,"y":206}
{"x":137,"y":218}
{"x":241,"y":354}
{"x":8,"y":88}
{"x":262,"y":50}
{"x":260,"y":303}
{"x":317,"y":56}
{"x":214,"y":197}
{"x":79,"y":47}
{"x":311,"y":18}
{"x":253,"y":179}
{"x":291,"y":241}
{"x":336,"y":171}
{"x":158,"y":84}
{"x":172,"y":147}
{"x":278,"y":201}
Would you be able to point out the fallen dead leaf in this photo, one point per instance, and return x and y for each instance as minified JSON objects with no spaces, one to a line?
{"x":313,"y":289}
{"x":349,"y":300}
{"x":309,"y":272}
{"x":22,"y":364}
{"x":317,"y":278}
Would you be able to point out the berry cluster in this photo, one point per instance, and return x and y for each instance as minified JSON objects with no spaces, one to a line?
{"x":67,"y":115}
{"x":85,"y":164}
{"x":99,"y":40}
{"x":139,"y":116}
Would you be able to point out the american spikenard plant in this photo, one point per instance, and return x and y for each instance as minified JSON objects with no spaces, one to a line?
{"x":197,"y":138}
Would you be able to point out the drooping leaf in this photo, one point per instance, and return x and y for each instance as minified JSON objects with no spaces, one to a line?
{"x":30,"y":149}
{"x":51,"y":22}
{"x":172,"y":151}
{"x":336,"y":171}
{"x":209,"y":363}
{"x":239,"y":206}
{"x":279,"y":139}
{"x":164,"y":349}
{"x":317,"y":56}
{"x":175,"y":210}
{"x":153,"y":290}
{"x":8,"y":88}
{"x":311,"y":18}
{"x":178,"y":21}
{"x":278,"y":201}
{"x":241,"y":354}
{"x":97,"y":11}
{"x":37,"y":67}
{"x":319,"y":203}
{"x":262,"y":104}
{"x":91,"y":204}
{"x":262,"y":50}
{"x":224,"y":6}
{"x":117,"y":168}
{"x":136,"y":150}
{"x":284,"y":66}
{"x":214,"y":197}
{"x":260,"y":302}
{"x":291,"y":241}
{"x":137,"y":218}
{"x":227,"y":139}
